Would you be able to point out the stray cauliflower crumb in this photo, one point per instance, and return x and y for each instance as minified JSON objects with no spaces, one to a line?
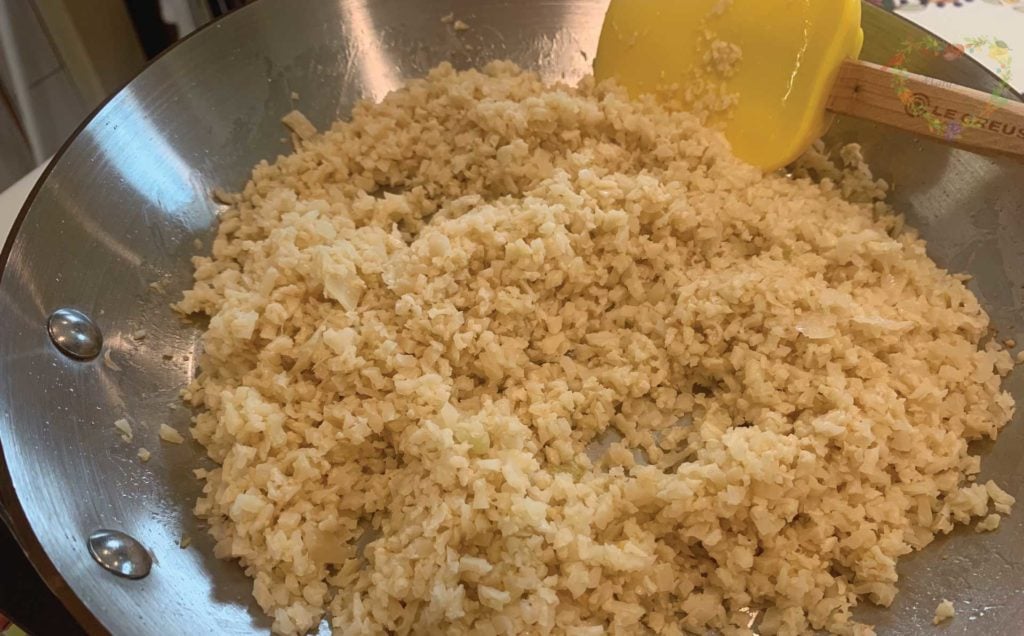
{"x":139,"y":334}
{"x":108,"y":361}
{"x":168,"y":434}
{"x":448,"y":18}
{"x":125,"y":428}
{"x":1010,"y":343}
{"x":299,"y":124}
{"x":144,"y":455}
{"x":459,"y":25}
{"x":723,"y":57}
{"x":220,"y":195}
{"x":988,"y":524}
{"x":1001,"y":500}
{"x":944,"y":612}
{"x":497,"y":356}
{"x":705,"y":90}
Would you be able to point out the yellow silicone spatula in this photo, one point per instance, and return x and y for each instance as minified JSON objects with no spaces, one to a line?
{"x":798,"y":65}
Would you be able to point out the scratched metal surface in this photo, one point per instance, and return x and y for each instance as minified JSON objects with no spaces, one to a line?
{"x":124,"y":202}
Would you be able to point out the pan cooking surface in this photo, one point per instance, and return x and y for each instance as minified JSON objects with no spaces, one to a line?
{"x":110,"y":230}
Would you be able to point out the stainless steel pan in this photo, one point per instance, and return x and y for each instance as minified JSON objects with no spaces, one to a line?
{"x":125,"y":201}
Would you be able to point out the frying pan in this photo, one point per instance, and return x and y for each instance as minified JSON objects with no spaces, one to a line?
{"x":127,"y":202}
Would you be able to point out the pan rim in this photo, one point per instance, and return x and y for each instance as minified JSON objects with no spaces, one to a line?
{"x":18,"y":522}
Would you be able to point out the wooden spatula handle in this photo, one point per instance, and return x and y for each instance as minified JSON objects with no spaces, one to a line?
{"x":960,"y":116}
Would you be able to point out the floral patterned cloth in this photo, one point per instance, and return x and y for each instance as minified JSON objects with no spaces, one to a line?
{"x":893,"y":5}
{"x":996,"y":49}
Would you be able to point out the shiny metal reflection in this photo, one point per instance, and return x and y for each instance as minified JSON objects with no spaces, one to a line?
{"x":120,"y":554}
{"x":74,"y":334}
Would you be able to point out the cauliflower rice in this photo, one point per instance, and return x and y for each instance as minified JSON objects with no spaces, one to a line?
{"x":503,"y":357}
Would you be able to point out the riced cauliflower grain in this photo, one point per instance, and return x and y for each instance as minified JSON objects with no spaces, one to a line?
{"x":497,"y":356}
{"x":108,"y":361}
{"x":170,"y":435}
{"x":299,"y":124}
{"x":125,"y":428}
{"x":722,"y":57}
{"x":943,"y":612}
{"x":988,"y":524}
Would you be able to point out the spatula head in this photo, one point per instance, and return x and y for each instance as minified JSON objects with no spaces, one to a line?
{"x":791,"y":53}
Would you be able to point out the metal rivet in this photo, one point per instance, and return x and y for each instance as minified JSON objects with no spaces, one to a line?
{"x":75,"y":334}
{"x":120,"y":554}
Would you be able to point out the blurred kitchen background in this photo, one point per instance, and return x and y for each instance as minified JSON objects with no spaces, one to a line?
{"x":59,"y":59}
